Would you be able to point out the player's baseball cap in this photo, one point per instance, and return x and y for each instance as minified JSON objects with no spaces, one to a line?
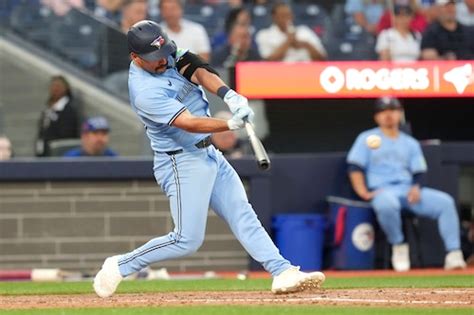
{"x":97,"y":123}
{"x":148,"y":40}
{"x":387,"y":102}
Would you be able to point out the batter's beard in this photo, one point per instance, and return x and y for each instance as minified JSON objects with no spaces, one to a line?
{"x":161,"y":69}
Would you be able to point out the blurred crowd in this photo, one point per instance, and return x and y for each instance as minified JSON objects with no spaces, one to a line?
{"x":226,"y":31}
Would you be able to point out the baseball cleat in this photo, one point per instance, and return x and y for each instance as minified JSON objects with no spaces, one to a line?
{"x":108,"y":278}
{"x":294,"y":280}
{"x":454,"y":260}
{"x":401,"y":257}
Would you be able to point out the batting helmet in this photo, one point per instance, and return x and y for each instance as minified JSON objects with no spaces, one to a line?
{"x":148,"y":40}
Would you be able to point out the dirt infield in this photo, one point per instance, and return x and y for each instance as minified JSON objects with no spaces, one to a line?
{"x":446,"y":298}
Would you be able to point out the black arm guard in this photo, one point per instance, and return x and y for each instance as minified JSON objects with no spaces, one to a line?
{"x":194,"y":62}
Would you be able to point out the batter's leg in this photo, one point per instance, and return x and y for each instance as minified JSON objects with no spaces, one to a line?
{"x":187,"y":179}
{"x":230,"y":202}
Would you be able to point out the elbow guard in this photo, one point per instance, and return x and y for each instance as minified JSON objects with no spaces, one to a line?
{"x":194,"y":62}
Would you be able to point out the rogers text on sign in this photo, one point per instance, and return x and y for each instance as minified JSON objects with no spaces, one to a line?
{"x":333,"y":79}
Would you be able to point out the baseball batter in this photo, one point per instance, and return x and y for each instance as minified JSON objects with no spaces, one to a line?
{"x":165,"y":85}
{"x":385,"y":167}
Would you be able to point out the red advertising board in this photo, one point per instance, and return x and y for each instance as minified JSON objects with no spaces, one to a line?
{"x":355,"y":79}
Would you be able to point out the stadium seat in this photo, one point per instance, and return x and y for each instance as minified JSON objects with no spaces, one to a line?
{"x":61,"y":146}
{"x":77,"y":38}
{"x":33,"y":22}
{"x":311,"y":15}
{"x":209,"y":16}
{"x":261,"y":16}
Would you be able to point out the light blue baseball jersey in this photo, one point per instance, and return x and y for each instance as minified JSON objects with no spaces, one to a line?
{"x":394,"y":162}
{"x":159,"y":98}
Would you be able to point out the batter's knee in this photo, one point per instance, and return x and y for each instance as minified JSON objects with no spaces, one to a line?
{"x":190,"y":245}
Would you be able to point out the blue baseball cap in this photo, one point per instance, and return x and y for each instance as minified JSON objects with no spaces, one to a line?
{"x":97,"y":123}
{"x":387,"y":102}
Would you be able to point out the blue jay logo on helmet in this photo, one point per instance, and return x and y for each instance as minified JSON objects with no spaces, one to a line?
{"x":158,"y":42}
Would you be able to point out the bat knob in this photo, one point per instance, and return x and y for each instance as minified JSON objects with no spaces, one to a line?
{"x":264,"y":165}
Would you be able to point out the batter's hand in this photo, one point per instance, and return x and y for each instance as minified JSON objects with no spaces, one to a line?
{"x":235,"y":123}
{"x":414,"y":194}
{"x":245,"y":113}
{"x":235,"y":101}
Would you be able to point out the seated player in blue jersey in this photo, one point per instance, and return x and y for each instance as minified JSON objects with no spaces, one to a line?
{"x":94,"y":139}
{"x":385,"y":168}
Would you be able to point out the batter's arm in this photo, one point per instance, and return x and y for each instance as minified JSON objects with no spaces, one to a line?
{"x":358,"y":184}
{"x":191,"y":123}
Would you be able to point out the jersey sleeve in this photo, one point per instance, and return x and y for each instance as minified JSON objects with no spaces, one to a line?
{"x":417,"y":159}
{"x":158,"y":107}
{"x":359,"y":153}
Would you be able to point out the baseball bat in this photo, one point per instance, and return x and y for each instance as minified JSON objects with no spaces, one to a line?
{"x":261,"y":156}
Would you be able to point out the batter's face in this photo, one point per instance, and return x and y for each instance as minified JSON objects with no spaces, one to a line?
{"x":158,"y":66}
{"x":389,"y":118}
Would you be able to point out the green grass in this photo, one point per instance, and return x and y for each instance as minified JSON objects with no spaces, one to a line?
{"x":452,"y":281}
{"x":247,"y":310}
{"x":25,"y":288}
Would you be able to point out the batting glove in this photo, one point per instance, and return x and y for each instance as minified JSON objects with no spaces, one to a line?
{"x":245,"y":113}
{"x":235,"y":123}
{"x":235,"y":100}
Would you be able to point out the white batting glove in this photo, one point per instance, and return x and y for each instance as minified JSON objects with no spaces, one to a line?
{"x":235,"y":123}
{"x":239,"y":105}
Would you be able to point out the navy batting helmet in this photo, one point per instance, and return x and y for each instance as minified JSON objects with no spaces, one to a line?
{"x":148,"y":40}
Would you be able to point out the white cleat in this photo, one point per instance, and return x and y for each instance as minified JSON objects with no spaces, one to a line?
{"x":108,"y":278}
{"x":401,"y":257}
{"x":294,"y":280}
{"x":454,"y":260}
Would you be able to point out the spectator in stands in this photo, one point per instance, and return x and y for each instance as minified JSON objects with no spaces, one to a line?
{"x":399,"y":43}
{"x":109,"y":9}
{"x":6,"y":151}
{"x":186,"y":34}
{"x":284,"y":42}
{"x":227,"y":141}
{"x":133,"y":11}
{"x":237,"y":15}
{"x":385,"y":169}
{"x":94,"y":139}
{"x":446,"y":38}
{"x":418,"y":22}
{"x":366,"y":13}
{"x":238,"y":48}
{"x":60,"y":119}
{"x":62,"y":7}
{"x":465,"y":12}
